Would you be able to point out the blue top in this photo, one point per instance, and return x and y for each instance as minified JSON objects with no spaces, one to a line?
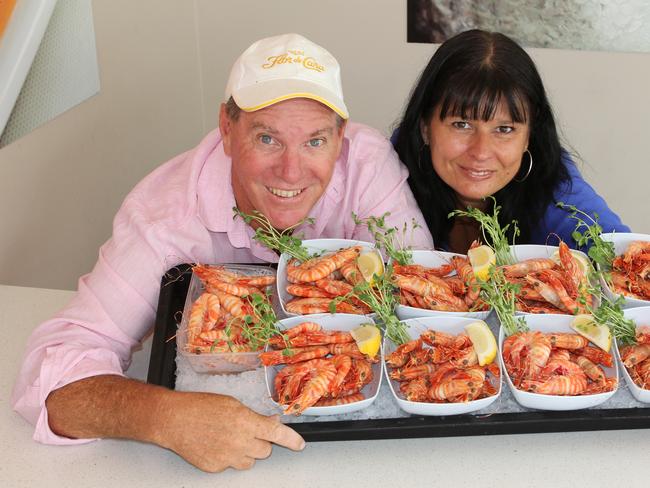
{"x":579,"y":193}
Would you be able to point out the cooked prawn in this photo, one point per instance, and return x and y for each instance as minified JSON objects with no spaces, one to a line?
{"x":593,"y":371}
{"x":416,"y":390}
{"x":402,"y":374}
{"x":632,"y":355}
{"x":307,"y":291}
{"x":400,"y":356}
{"x":343,"y":365}
{"x":322,"y":372}
{"x":318,"y":268}
{"x":568,"y":341}
{"x":466,"y":273}
{"x":344,"y":400}
{"x":197,"y":316}
{"x":319,"y":305}
{"x":526,"y":353}
{"x":521,"y":269}
{"x":334,"y":287}
{"x":351,"y":273}
{"x":293,"y":355}
{"x":464,"y":385}
{"x":557,"y":385}
{"x":596,"y":355}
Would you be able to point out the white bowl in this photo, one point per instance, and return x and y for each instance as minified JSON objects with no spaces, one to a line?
{"x":434,"y":259}
{"x":312,"y":245}
{"x":521,"y":252}
{"x":339,"y":321}
{"x":640,"y":316}
{"x":451,"y":325}
{"x":553,"y":323}
{"x":223,"y":362}
{"x":621,"y":240}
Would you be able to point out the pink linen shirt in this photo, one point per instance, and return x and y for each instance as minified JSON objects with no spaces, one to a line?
{"x":182,"y":212}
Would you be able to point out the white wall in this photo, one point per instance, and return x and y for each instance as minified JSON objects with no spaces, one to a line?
{"x":163,"y":66}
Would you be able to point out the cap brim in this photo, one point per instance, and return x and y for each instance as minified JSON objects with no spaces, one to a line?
{"x":263,"y":94}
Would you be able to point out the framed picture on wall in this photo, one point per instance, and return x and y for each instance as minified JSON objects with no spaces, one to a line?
{"x":570,"y":24}
{"x":23,"y":24}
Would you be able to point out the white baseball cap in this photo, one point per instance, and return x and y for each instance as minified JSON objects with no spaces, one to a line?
{"x":284,"y":67}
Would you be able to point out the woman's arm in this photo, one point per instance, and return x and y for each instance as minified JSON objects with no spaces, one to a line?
{"x":581,"y":194}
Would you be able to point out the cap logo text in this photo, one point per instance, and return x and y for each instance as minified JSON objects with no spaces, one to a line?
{"x":293,"y":57}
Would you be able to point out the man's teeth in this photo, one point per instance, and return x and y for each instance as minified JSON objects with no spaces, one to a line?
{"x":284,"y":193}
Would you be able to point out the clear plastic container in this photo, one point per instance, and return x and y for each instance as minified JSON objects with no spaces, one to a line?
{"x":218,"y":363}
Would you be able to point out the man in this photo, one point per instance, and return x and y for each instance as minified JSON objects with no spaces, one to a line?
{"x":283,"y":148}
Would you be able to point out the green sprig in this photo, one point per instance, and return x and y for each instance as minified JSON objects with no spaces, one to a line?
{"x":380,"y":297}
{"x":391,"y":240}
{"x":493,"y":234}
{"x":281,"y":241}
{"x":259,"y":327}
{"x":501,"y":295}
{"x":588,"y":233}
{"x":610,"y":313}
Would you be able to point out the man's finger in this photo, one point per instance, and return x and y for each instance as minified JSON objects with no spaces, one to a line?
{"x":274,"y":431}
{"x":245,"y":462}
{"x":260,"y":449}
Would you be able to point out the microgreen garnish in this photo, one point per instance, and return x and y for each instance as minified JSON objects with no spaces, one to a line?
{"x":281,"y":241}
{"x":493,"y":234}
{"x":260,"y":327}
{"x":588,"y":233}
{"x":380,"y":298}
{"x":610,"y":313}
{"x":501,"y":295}
{"x":392,"y":240}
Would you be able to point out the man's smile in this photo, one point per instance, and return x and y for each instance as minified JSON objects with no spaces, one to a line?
{"x":284,"y":193}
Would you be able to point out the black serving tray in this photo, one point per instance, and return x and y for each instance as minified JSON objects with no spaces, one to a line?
{"x":162,"y":371}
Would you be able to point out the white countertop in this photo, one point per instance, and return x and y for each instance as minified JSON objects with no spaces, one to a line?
{"x":575,"y":459}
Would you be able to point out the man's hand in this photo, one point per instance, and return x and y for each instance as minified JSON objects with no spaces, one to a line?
{"x":215,"y":432}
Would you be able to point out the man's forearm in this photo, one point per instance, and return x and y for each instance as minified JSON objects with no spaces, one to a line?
{"x":231,"y":435}
{"x":107,"y":406}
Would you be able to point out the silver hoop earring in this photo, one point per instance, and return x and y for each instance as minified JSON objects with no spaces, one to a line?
{"x":530,"y":167}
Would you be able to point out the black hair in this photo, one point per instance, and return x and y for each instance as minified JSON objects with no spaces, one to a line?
{"x":468,"y":76}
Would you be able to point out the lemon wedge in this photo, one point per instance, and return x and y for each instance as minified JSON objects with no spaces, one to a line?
{"x":599,"y":334}
{"x":583,"y":262}
{"x":481,"y":258}
{"x":370,"y":264}
{"x":368,"y":339}
{"x":483,"y":341}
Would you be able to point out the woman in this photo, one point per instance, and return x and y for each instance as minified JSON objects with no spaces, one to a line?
{"x":479,"y":124}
